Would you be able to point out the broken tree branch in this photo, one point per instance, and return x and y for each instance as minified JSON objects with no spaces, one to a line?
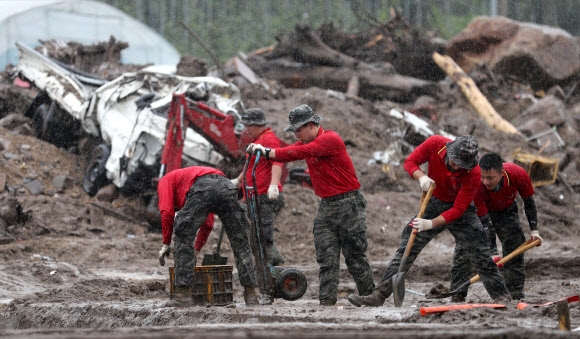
{"x":473,"y":95}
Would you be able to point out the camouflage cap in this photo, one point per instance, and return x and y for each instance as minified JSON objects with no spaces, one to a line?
{"x":254,"y":116}
{"x":463,"y":151}
{"x":300,"y":116}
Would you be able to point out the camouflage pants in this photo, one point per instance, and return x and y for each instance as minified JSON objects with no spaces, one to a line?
{"x":508,"y":228}
{"x":268,"y":211}
{"x":340,"y":226}
{"x":216,"y":194}
{"x":468,"y":234}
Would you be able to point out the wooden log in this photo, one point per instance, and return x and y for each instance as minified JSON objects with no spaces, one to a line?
{"x":374,"y":41}
{"x":473,"y":95}
{"x":303,"y":45}
{"x":262,"y":50}
{"x":378,"y":84}
{"x":353,"y":86}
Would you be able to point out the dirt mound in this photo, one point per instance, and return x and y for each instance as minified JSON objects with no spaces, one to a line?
{"x":71,"y":261}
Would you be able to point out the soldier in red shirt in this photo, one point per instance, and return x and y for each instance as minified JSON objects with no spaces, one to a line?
{"x":196,"y":192}
{"x":268,"y":174}
{"x":498,"y":211}
{"x":340,"y":223}
{"x":453,"y":168}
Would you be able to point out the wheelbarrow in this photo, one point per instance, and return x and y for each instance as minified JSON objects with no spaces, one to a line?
{"x":273,"y":281}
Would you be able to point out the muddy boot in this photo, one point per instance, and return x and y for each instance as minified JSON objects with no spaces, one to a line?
{"x":327,"y":302}
{"x":458,"y":298}
{"x":277,"y":258}
{"x":377,"y":298}
{"x":251,"y":296}
{"x":505,"y":299}
{"x":181,"y":298}
{"x":274,"y":256}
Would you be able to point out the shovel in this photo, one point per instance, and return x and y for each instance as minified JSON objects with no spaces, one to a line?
{"x":398,"y":280}
{"x":524,"y":247}
{"x":215,"y":258}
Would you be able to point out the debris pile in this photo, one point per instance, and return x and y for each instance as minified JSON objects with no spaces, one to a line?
{"x":380,"y":89}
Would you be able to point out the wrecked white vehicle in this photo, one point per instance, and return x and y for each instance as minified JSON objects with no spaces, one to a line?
{"x":124,"y":120}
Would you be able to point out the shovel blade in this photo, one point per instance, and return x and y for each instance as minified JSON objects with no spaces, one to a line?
{"x":213,"y":259}
{"x":440,"y":292}
{"x":398,"y":282}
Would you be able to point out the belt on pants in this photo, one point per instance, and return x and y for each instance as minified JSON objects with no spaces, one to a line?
{"x":341,"y":196}
{"x":215,"y":176}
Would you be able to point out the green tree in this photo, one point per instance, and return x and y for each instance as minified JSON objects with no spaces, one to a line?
{"x":229,"y":26}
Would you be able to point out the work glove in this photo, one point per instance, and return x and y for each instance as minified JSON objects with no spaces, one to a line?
{"x":497,"y":258}
{"x":421,"y":224}
{"x":535,"y":235}
{"x":425,"y":183}
{"x":273,"y":192}
{"x":236,"y":182}
{"x":163,"y":253}
{"x":258,"y":147}
{"x":253,"y":148}
{"x":249,"y":149}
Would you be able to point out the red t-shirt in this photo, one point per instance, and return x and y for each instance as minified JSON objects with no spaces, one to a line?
{"x":172,"y":190}
{"x":515,"y":180}
{"x":458,"y":187}
{"x":331,"y":169}
{"x":267,"y":139}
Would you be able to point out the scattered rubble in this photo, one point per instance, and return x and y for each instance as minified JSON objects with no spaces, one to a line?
{"x":103,"y":253}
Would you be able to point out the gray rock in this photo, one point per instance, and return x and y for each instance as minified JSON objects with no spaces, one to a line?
{"x":10,"y":156}
{"x":35,"y":187}
{"x":550,"y":109}
{"x":62,"y":182}
{"x":4,"y":144}
{"x":13,"y":120}
{"x":542,"y":55}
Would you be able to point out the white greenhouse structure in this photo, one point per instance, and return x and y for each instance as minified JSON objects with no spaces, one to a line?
{"x":82,"y":21}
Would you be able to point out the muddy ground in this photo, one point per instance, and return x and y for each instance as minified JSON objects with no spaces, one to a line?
{"x":84,"y":268}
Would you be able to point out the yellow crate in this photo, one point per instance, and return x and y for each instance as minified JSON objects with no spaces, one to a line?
{"x":542,"y":170}
{"x":212,"y":285}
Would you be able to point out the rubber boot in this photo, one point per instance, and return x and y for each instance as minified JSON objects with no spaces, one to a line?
{"x":181,"y":298}
{"x":251,"y":296}
{"x":274,"y":256}
{"x":505,"y":299}
{"x":459,"y":297}
{"x":376,"y":299}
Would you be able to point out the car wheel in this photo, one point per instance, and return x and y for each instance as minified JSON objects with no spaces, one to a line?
{"x":95,"y":176}
{"x":291,"y":284}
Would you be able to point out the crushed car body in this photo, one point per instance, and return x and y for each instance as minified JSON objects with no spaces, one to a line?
{"x":128,"y":116}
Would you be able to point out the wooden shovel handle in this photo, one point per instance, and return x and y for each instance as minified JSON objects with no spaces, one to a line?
{"x":526,"y":246}
{"x":519,"y":251}
{"x":424,"y":200}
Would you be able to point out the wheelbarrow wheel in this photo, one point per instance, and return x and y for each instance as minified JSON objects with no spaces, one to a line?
{"x":291,"y":284}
